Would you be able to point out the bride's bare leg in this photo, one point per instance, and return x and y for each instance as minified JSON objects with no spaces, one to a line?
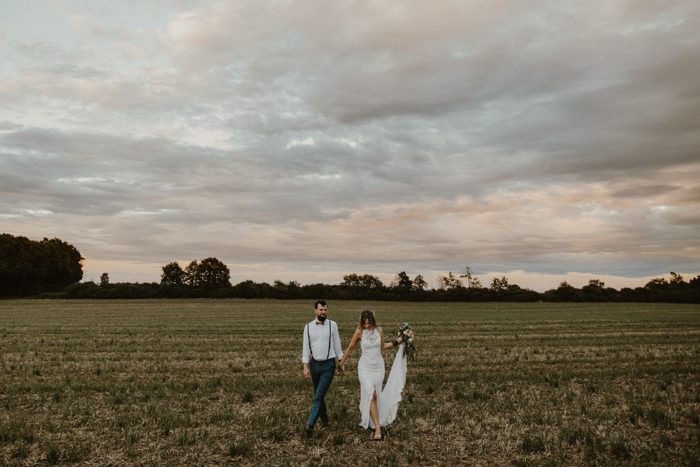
{"x":374,"y":413}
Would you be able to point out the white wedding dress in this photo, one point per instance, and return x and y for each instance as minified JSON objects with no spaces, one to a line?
{"x":370,"y":371}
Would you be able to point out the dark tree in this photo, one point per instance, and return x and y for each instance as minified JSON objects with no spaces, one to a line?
{"x":29,"y":267}
{"x":676,"y":279}
{"x":473,"y":282}
{"x":213,"y":274}
{"x":499,"y":284}
{"x":191,"y":276}
{"x":402,"y":281}
{"x":362,"y":281}
{"x":419,"y":283}
{"x":695,"y":282}
{"x":449,"y":282}
{"x":566,"y":292}
{"x":173,"y":275}
{"x":64,"y":264}
{"x":595,"y":291}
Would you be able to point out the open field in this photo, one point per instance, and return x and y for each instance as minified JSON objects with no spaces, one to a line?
{"x":219,"y":382}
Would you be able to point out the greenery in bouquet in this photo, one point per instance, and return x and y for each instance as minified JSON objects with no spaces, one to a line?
{"x":407,"y":336}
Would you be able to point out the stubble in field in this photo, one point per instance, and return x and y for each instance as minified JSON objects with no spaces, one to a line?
{"x":219,"y":382}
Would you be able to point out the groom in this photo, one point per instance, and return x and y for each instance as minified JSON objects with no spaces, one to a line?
{"x":320,"y":350}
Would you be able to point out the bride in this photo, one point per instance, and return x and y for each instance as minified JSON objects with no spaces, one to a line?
{"x":377,"y":407}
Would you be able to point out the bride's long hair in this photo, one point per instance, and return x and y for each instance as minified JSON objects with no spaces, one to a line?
{"x":369,"y":316}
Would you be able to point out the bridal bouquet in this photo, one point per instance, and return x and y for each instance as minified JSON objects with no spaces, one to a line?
{"x":406,"y":334}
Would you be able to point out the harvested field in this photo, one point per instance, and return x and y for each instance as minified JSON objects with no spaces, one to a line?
{"x":202,"y":382}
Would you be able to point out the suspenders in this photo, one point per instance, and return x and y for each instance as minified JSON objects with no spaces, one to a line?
{"x":330,"y":333}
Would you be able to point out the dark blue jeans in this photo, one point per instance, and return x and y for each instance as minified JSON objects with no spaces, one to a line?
{"x":322,"y":376}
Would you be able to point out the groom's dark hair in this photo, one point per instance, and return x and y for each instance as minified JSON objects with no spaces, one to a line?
{"x":319,"y":302}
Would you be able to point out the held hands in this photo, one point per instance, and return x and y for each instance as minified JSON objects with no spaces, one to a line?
{"x":341,"y":366}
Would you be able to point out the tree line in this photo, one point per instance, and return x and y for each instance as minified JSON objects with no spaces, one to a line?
{"x":53,"y":268}
{"x":29,"y":267}
{"x":210,"y":278}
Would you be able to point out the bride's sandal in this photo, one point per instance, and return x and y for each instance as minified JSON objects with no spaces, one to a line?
{"x":378,"y":437}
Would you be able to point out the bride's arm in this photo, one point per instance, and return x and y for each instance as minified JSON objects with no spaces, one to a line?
{"x":389,"y":345}
{"x":351,"y":346}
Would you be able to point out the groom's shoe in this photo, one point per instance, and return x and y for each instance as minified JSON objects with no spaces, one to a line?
{"x":308,"y":431}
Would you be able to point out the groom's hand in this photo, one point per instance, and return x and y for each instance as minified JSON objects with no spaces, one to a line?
{"x":341,"y":367}
{"x":307,"y":373}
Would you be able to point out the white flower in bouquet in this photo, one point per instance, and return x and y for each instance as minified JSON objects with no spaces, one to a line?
{"x":407,"y":335}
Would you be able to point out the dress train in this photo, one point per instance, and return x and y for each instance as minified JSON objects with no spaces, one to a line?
{"x":388,"y":400}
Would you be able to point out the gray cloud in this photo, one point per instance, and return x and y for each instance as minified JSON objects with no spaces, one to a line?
{"x":377,"y":136}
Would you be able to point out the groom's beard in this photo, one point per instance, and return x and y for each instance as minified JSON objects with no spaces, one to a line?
{"x":322,"y":318}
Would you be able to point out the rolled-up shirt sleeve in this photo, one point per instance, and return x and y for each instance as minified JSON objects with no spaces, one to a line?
{"x":305,"y":347}
{"x":337,"y":347}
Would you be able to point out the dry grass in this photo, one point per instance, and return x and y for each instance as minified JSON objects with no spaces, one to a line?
{"x":219,"y":382}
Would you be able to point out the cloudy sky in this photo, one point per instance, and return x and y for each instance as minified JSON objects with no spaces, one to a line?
{"x":302,"y":140}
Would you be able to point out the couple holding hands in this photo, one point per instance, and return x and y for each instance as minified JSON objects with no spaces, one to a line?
{"x":322,"y":347}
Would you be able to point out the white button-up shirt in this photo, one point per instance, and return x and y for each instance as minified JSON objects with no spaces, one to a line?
{"x":325,"y":341}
